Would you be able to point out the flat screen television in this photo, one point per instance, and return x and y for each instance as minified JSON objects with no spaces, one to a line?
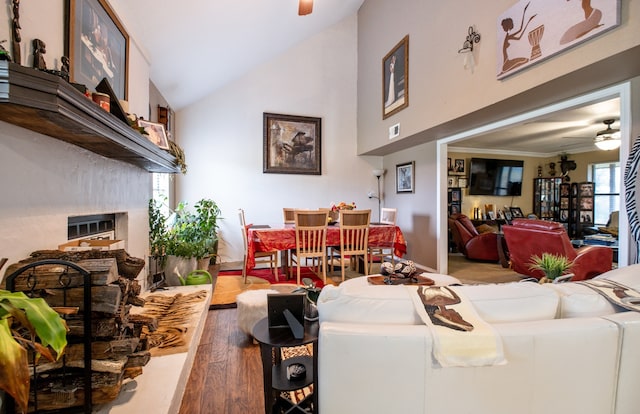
{"x":495,"y":177}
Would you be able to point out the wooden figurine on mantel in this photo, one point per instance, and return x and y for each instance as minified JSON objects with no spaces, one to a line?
{"x":17,"y":38}
{"x":39,"y":49}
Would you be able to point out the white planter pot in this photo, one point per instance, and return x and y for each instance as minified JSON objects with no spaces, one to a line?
{"x":179,"y":266}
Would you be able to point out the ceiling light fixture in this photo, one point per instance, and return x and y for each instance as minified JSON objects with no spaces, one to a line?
{"x":608,"y":139}
{"x":305,"y":7}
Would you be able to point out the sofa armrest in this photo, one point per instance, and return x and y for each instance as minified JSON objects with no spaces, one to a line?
{"x":483,"y":247}
{"x":591,"y":261}
{"x":356,"y":360}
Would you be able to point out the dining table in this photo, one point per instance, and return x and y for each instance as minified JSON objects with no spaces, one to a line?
{"x":282,"y":237}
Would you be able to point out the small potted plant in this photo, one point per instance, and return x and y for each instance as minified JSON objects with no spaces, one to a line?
{"x":552,"y":265}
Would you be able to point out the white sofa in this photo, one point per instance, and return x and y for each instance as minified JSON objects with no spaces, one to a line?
{"x":568,"y":350}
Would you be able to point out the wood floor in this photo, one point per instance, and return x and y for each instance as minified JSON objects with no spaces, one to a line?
{"x":227,"y":372}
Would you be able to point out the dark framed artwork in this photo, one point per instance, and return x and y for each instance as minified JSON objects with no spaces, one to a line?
{"x":395,"y":79}
{"x":405,"y":177}
{"x":155,"y":133}
{"x":97,"y":46}
{"x":291,"y":144}
{"x":458,"y":166}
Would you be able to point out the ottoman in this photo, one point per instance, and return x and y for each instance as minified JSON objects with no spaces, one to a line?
{"x":252,"y":306}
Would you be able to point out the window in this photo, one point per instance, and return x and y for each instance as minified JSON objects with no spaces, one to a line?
{"x":606,"y":197}
{"x":161,"y":186}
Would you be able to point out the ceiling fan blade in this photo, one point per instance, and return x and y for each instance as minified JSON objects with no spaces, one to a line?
{"x":305,"y":7}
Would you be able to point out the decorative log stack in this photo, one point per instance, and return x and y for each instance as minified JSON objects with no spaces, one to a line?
{"x":118,"y":351}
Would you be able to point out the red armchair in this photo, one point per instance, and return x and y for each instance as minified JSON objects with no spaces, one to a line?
{"x":474,"y":245}
{"x":526,"y":238}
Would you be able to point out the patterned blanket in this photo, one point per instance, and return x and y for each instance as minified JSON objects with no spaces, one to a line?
{"x":615,"y":292}
{"x":460,"y":337}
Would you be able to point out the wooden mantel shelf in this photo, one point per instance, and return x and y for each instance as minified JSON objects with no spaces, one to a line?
{"x":49,"y":105}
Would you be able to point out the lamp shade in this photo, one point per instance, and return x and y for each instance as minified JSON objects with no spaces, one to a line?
{"x":607,"y":143}
{"x":378,"y":173}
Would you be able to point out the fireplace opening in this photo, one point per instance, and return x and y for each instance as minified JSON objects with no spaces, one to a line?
{"x":96,"y":226}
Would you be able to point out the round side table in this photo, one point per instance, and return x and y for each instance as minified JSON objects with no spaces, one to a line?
{"x":274,"y":368}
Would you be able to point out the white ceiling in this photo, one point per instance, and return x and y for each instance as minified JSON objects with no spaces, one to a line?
{"x":197,"y":46}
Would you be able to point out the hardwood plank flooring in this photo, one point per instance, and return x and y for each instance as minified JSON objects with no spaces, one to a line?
{"x":227,"y":372}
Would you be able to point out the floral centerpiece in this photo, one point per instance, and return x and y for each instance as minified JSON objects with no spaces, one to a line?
{"x":334,"y":213}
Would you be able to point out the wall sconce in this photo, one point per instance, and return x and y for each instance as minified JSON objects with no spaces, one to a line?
{"x":467,"y":47}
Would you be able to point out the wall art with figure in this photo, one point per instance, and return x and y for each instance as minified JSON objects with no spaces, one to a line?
{"x":291,"y":144}
{"x":395,"y":79}
{"x":533,"y":30}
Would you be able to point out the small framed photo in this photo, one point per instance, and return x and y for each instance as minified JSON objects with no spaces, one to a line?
{"x":452,"y":181}
{"x":455,"y":195}
{"x":449,"y":165}
{"x":491,"y":215}
{"x":516,"y":212}
{"x":291,"y":144}
{"x":454,"y":209}
{"x":405,"y":178}
{"x":395,"y":79}
{"x":155,"y":133}
{"x":458,"y":166}
{"x":507,"y":215}
{"x":462,"y":182}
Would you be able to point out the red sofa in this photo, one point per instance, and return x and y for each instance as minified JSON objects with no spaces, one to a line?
{"x":471,"y":243}
{"x":526,"y":238}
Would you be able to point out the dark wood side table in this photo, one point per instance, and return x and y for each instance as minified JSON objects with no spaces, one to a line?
{"x":274,"y":369}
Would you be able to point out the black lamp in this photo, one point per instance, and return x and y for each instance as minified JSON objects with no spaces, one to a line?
{"x":378,"y":173}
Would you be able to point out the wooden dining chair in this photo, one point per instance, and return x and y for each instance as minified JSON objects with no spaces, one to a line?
{"x":384,"y":250}
{"x":288,"y":215}
{"x":311,"y":241}
{"x":270,"y":257}
{"x":354,"y":238}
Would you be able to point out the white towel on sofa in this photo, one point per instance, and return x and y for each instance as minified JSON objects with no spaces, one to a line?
{"x":460,"y":337}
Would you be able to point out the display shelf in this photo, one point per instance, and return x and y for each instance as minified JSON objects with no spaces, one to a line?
{"x":546,"y":198}
{"x":49,"y":105}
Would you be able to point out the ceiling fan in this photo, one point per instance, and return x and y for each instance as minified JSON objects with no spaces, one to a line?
{"x":305,"y":7}
{"x":609,"y":138}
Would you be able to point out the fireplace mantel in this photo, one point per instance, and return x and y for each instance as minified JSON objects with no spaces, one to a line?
{"x":47,"y":104}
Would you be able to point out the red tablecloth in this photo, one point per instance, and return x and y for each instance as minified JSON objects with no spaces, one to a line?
{"x":284,"y":238}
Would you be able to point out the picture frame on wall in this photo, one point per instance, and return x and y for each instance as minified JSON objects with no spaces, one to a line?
{"x":462,"y":182}
{"x":97,"y":46}
{"x":458,"y":166}
{"x":291,"y":144}
{"x":452,"y":181}
{"x":405,"y":178}
{"x":155,"y":133}
{"x":395,"y":79}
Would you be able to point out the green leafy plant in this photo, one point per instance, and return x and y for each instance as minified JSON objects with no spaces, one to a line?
{"x":23,"y":321}
{"x":187,"y":233}
{"x":551,"y":265}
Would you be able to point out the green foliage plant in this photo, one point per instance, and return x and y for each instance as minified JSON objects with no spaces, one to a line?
{"x":26,"y":324}
{"x":551,"y":265}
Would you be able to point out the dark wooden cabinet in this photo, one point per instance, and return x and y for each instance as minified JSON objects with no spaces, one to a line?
{"x":546,"y":197}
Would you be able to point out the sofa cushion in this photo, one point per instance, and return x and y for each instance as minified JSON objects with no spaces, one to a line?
{"x":627,"y":275}
{"x":579,"y":301}
{"x":355,"y":301}
{"x":512,"y":302}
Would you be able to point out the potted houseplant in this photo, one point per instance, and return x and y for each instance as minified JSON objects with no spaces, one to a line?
{"x":26,"y":323}
{"x":552,"y":265}
{"x":188,"y":239}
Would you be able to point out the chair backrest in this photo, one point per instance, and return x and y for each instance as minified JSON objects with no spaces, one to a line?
{"x":388,"y":216}
{"x":526,"y":238}
{"x":354,"y":231}
{"x":462,"y":231}
{"x":311,"y":232}
{"x":288,"y":215}
{"x":243,"y":227}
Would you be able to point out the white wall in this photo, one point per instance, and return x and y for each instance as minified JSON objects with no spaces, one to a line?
{"x":43,"y":181}
{"x":223,"y":140}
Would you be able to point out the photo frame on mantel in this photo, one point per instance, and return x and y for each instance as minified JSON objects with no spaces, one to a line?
{"x":395,"y":79}
{"x":97,"y":46}
{"x":291,"y":144}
